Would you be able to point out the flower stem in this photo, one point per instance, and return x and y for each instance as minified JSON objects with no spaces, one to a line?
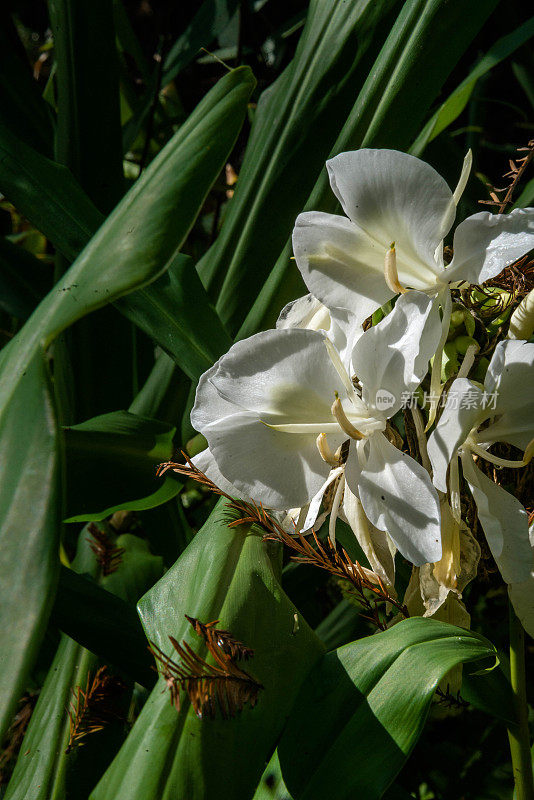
{"x":518,"y":734}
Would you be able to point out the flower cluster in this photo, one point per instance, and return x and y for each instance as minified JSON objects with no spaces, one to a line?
{"x":304,"y":419}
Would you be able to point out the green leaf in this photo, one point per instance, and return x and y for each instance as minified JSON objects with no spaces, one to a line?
{"x":363,"y":707}
{"x":132,"y":247}
{"x":47,"y":194}
{"x":224,"y":574}
{"x":88,"y":94}
{"x":104,"y":624}
{"x":401,"y":85}
{"x":111,"y":465}
{"x":457,"y":101}
{"x":29,"y":533}
{"x":179,"y":179}
{"x":175,"y":311}
{"x":295,"y":127}
{"x":44,"y":768}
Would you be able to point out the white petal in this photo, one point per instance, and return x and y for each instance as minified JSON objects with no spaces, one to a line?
{"x":462,"y":412}
{"x":510,"y":382}
{"x":279,"y":470}
{"x":398,"y":497}
{"x":206,"y":463}
{"x":392,"y":357}
{"x":305,"y":312}
{"x":484,"y":244}
{"x":284,"y":375}
{"x":209,"y":405}
{"x":505,"y":523}
{"x":275,"y":377}
{"x":340,"y":264}
{"x":395,"y":197}
{"x":464,"y":176}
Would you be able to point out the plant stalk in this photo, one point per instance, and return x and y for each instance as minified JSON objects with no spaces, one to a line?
{"x":518,"y":735}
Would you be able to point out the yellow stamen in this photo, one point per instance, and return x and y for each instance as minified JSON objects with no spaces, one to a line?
{"x":505,"y":462}
{"x":325,"y":450}
{"x":343,"y":421}
{"x":391,"y":275}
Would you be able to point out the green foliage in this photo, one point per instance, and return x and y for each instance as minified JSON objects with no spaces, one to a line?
{"x":128,"y":266}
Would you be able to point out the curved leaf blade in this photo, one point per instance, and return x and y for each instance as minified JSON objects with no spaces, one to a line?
{"x":224,"y":574}
{"x":363,"y":707}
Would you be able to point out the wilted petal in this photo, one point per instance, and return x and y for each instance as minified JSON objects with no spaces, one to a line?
{"x":374,"y":543}
{"x":392,"y":357}
{"x":463,"y":410}
{"x":398,"y":497}
{"x":395,"y":197}
{"x":484,"y":244}
{"x":510,"y":381}
{"x":504,"y":521}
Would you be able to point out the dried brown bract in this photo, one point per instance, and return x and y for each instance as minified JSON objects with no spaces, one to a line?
{"x":107,"y":554}
{"x":221,"y":638}
{"x":327,"y":556}
{"x":223,"y":685}
{"x":517,"y":169}
{"x":94,"y":707}
{"x":15,"y":735}
{"x":335,"y":560}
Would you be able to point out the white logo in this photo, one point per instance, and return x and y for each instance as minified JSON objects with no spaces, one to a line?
{"x":384,"y":399}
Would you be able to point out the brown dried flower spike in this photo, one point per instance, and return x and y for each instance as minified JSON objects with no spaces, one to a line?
{"x":94,"y":707}
{"x":208,"y":686}
{"x":107,"y":555}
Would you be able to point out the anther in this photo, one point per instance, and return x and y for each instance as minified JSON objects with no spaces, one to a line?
{"x":391,"y":275}
{"x":343,"y":421}
{"x":325,"y":451}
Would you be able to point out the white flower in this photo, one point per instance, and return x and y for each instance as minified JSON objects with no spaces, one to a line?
{"x":391,"y":197}
{"x":508,"y":401}
{"x":309,"y":313}
{"x":280,"y":409}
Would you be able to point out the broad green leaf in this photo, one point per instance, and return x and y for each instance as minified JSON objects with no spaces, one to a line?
{"x":363,"y":707}
{"x":457,"y":101}
{"x":111,"y":464}
{"x":88,"y":94}
{"x":132,"y":247}
{"x":296,"y":124}
{"x":47,"y":194}
{"x":176,"y":312}
{"x":44,"y":767}
{"x":391,"y":105}
{"x":23,"y":109}
{"x":104,"y":624}
{"x":164,"y":393}
{"x":29,"y":533}
{"x":226,"y":574}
